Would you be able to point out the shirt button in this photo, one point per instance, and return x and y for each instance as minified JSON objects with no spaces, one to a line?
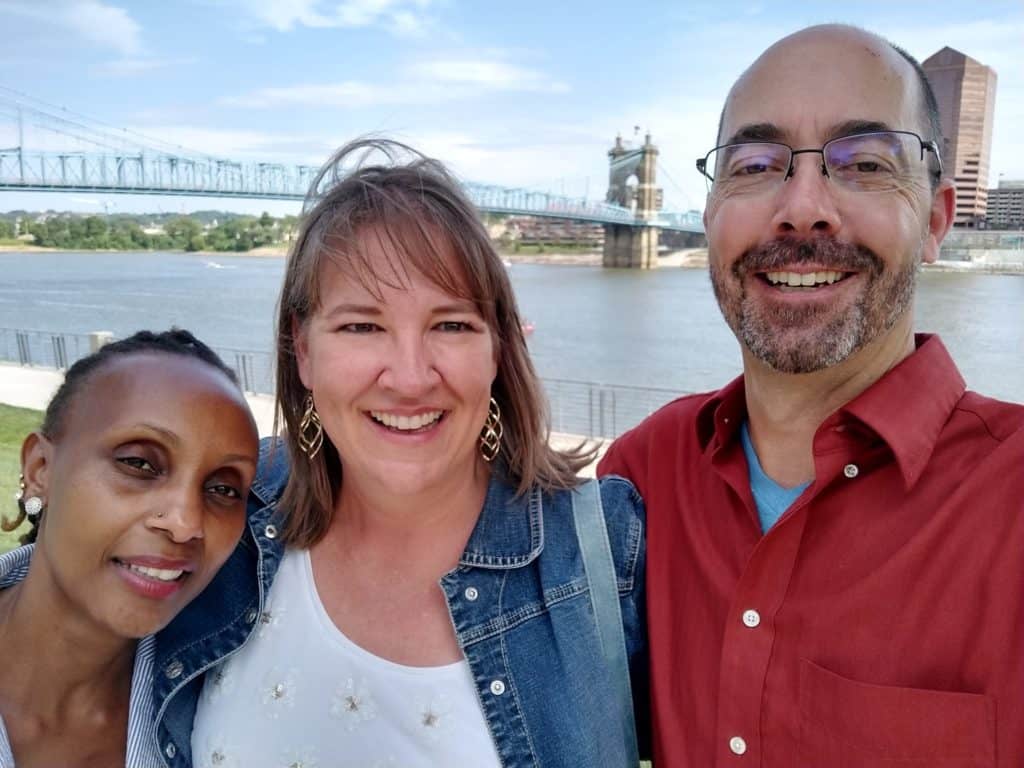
{"x":270,"y":531}
{"x":737,"y":745}
{"x":170,"y":750}
{"x":851,"y":471}
{"x":250,"y":617}
{"x":174,"y":670}
{"x":497,"y":687}
{"x":471,"y":593}
{"x":751,"y":618}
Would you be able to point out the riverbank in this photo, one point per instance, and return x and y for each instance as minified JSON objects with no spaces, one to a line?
{"x":686,"y":258}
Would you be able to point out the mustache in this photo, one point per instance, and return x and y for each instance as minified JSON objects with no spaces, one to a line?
{"x":826,"y":252}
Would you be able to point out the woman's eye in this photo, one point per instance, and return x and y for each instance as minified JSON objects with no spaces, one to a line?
{"x":453,"y":326}
{"x":139,"y":464}
{"x":224,"y":490}
{"x":359,"y":327}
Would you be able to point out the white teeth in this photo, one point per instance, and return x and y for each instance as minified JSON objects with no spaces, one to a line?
{"x":798,"y":279}
{"x":406,"y":423}
{"x":155,"y":573}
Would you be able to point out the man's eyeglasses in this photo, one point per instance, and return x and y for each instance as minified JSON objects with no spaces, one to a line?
{"x":881,"y":161}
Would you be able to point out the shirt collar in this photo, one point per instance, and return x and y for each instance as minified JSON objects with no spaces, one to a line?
{"x":911,"y":403}
{"x":510,"y":530}
{"x":906,"y":408}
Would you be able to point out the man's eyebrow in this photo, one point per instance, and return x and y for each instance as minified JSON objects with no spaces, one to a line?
{"x":756,"y":132}
{"x":852,"y":127}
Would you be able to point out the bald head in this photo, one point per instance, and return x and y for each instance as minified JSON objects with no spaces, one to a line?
{"x":834,"y":61}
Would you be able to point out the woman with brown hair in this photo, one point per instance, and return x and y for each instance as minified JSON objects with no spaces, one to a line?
{"x":414,"y":591}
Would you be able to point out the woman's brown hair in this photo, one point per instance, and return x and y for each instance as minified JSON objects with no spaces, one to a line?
{"x":418,"y":209}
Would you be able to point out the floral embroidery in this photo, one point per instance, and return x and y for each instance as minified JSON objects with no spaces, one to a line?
{"x":278,"y":691}
{"x":353,"y":704}
{"x":272,"y":617}
{"x":218,"y":753}
{"x":219,"y":682}
{"x":436,"y":718}
{"x":300,"y":757}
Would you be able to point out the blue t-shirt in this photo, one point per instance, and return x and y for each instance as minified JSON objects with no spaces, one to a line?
{"x":771,"y":498}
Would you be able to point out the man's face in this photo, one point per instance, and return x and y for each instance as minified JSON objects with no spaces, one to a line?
{"x":808,"y":272}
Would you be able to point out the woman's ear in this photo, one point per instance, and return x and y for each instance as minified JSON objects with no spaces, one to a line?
{"x":300,"y":343}
{"x":36,"y":461}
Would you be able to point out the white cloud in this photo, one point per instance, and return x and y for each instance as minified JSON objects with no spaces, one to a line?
{"x":400,"y":17}
{"x":137,"y":66}
{"x":428,"y":82}
{"x":350,"y":93}
{"x":488,"y":75}
{"x":92,"y":20}
{"x":239,"y":144}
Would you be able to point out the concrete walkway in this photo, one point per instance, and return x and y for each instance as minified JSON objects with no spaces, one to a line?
{"x":34,"y":387}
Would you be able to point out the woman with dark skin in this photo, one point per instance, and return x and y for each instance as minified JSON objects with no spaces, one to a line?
{"x":135,"y":504}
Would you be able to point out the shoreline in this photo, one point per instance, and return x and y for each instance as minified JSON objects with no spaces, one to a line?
{"x":687,"y":258}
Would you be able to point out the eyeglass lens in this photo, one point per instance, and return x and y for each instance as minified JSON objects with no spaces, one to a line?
{"x":867,"y":162}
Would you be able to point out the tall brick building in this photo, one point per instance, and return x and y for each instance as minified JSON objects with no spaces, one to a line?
{"x":966,"y":92}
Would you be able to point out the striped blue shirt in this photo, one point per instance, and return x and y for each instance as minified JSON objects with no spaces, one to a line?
{"x":142,"y":751}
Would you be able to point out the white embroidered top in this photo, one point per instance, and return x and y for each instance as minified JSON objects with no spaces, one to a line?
{"x":300,"y":694}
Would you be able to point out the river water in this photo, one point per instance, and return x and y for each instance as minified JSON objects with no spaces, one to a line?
{"x":659,"y":328}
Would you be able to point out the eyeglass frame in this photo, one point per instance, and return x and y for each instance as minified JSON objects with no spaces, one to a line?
{"x":930,"y":146}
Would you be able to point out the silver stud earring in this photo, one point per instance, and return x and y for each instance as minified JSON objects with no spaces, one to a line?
{"x":33,"y":507}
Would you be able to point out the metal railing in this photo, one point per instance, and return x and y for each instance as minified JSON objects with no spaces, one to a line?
{"x":42,"y":348}
{"x":586,"y":408}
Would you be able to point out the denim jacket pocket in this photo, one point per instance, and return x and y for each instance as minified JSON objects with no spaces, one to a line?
{"x":848,"y":724}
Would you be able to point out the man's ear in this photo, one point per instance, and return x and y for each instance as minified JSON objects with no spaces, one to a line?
{"x":940,"y":219}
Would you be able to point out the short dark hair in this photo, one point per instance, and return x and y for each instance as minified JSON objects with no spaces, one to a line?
{"x":176,"y":341}
{"x":415,"y":204}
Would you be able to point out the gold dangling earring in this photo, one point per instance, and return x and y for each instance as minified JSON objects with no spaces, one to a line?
{"x":490,"y":437}
{"x":311,"y":431}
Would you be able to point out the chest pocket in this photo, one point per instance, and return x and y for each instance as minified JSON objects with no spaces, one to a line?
{"x":849,"y":724}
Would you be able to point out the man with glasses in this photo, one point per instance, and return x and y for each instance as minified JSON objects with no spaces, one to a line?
{"x":835,"y":539}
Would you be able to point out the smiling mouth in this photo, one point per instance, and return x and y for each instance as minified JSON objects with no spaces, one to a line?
{"x":803,"y":280}
{"x":156,"y":574}
{"x":420,"y":422}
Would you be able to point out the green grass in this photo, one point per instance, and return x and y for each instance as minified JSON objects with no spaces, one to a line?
{"x":15,"y":423}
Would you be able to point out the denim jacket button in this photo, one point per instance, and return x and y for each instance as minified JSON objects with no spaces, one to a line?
{"x":174,"y":670}
{"x":170,"y":750}
{"x":270,"y":531}
{"x":497,"y":687}
{"x":471,"y":593}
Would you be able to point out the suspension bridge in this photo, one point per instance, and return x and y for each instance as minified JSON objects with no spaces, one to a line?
{"x":53,"y":150}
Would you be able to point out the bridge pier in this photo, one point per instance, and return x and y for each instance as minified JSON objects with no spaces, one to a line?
{"x":629,"y":246}
{"x":631,"y":184}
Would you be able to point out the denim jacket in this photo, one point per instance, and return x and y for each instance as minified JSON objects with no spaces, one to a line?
{"x":519,"y":604}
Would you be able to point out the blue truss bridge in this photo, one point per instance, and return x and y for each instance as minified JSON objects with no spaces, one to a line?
{"x":43,"y":148}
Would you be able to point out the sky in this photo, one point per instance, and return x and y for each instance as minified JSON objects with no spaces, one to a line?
{"x":526,"y":94}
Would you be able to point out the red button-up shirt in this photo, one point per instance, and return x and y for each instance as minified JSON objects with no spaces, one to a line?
{"x":880,"y":622}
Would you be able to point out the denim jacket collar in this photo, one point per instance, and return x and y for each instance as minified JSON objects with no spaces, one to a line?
{"x":510,"y":530}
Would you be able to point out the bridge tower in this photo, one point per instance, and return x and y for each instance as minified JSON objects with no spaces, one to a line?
{"x":631,"y":183}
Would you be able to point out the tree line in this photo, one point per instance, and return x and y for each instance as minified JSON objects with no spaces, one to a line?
{"x":236,"y":233}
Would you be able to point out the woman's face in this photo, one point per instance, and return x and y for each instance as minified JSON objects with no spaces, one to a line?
{"x":401,"y":380}
{"x":145,"y":489}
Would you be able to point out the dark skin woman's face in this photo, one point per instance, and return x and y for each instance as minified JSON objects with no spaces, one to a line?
{"x":145,"y":488}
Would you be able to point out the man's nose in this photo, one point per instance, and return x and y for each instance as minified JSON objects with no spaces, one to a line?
{"x":806,"y":200}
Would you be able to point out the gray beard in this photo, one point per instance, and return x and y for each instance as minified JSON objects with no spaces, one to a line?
{"x":809,"y":339}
